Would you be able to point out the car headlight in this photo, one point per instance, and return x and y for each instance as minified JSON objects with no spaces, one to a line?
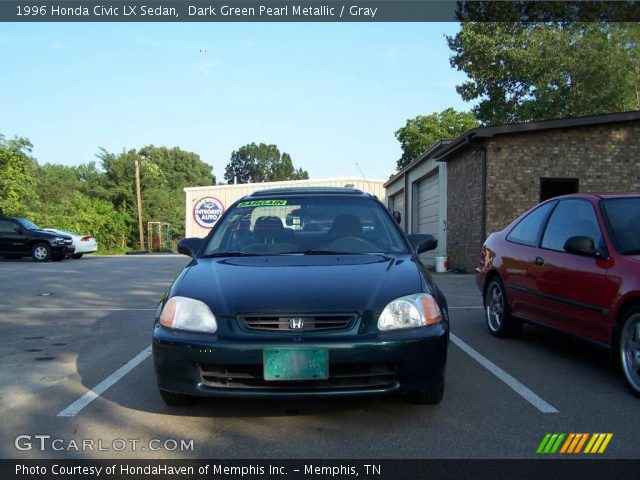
{"x":58,"y":241}
{"x":188,"y":314}
{"x":417,"y":310}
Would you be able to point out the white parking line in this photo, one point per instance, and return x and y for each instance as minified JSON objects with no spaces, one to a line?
{"x":518,"y":387}
{"x":73,"y":409}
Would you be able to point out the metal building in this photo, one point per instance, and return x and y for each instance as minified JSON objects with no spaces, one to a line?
{"x":204,"y":205}
{"x":419,"y":193}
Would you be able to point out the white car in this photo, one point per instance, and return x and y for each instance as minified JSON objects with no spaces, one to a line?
{"x":83,"y":243}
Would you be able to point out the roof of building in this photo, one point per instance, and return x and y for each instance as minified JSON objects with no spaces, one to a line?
{"x":466,"y":138}
{"x":430,"y":153}
{"x":443,"y":149}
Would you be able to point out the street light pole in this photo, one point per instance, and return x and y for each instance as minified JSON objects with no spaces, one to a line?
{"x":139,"y":201}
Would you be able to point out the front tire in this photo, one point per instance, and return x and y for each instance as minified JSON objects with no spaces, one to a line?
{"x":41,"y":252}
{"x":629,"y":349}
{"x":498,"y":316}
{"x":174,"y":399}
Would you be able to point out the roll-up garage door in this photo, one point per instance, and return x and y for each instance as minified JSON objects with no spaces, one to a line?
{"x":428,"y":212}
{"x":397,"y":205}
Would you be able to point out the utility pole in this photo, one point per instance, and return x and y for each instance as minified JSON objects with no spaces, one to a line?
{"x":139,"y":201}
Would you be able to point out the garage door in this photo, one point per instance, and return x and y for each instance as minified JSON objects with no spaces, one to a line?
{"x":427,"y":218}
{"x":396,"y":204}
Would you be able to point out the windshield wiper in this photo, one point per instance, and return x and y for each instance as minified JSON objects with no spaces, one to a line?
{"x":229,"y":254}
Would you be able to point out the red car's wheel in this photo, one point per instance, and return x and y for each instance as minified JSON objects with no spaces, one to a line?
{"x":499,"y":320}
{"x":630,"y":349}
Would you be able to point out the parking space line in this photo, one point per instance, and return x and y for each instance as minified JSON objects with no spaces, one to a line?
{"x":73,"y":409}
{"x":514,"y":384}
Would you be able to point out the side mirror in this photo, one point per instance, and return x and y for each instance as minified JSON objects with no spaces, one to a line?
{"x":580,"y":245}
{"x":189,"y":246}
{"x":397,"y":217}
{"x":422,"y":242}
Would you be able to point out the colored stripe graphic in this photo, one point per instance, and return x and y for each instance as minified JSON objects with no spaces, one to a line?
{"x":598,"y":443}
{"x":570,"y":438}
{"x":543,"y":443}
{"x":581,"y":442}
{"x":573,"y":443}
{"x":550,"y":443}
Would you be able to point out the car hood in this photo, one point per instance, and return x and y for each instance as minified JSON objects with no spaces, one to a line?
{"x":300,"y":283}
{"x":50,"y":234}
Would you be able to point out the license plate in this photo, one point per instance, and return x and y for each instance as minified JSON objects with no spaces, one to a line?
{"x":296,"y":364}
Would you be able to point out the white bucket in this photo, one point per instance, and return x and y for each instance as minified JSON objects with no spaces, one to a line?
{"x":441,"y":264}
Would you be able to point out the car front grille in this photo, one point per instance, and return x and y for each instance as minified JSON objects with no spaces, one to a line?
{"x":293,"y":323}
{"x":68,"y":242}
{"x":341,"y":376}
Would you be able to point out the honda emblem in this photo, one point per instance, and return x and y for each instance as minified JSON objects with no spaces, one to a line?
{"x":296,"y":323}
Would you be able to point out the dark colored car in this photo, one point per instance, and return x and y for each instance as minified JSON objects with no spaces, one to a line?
{"x":21,"y":238}
{"x":571,"y":263}
{"x":264,"y":310}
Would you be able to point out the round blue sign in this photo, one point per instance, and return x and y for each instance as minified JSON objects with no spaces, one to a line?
{"x":207,"y":211}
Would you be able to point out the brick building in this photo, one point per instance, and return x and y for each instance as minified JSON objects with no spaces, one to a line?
{"x":493,"y":174}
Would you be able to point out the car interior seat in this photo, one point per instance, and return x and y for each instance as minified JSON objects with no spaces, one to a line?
{"x":346,"y":226}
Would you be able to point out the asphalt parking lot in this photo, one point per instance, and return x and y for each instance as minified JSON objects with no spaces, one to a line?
{"x":75,"y":363}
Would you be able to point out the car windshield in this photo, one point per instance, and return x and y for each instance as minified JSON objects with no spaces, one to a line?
{"x":27,"y":224}
{"x":623,"y":219}
{"x":308,"y":225}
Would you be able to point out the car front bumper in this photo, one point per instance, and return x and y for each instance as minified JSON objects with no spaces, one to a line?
{"x":380,"y":363}
{"x":61,"y":251}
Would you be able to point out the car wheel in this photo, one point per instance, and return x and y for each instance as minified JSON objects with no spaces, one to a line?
{"x":629,"y":347}
{"x":76,"y":255}
{"x":174,"y":399}
{"x":41,"y":252}
{"x":429,"y":396}
{"x":496,"y":309}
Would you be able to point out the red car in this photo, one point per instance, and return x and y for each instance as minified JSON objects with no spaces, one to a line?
{"x":571,"y":263}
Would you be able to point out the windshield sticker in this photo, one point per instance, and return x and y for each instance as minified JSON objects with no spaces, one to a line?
{"x":262,"y":203}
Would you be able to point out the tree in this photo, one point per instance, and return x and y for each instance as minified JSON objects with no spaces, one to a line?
{"x":423,"y":131}
{"x":164,"y":173}
{"x":17,"y":176}
{"x":542,"y":70}
{"x":253,"y":163}
{"x":79,"y":213}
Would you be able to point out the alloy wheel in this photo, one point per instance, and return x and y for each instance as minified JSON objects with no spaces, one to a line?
{"x":494,"y":307}
{"x":630,"y":351}
{"x":40,"y":253}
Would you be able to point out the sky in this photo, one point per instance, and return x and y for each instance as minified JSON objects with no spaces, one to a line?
{"x":329,"y":94}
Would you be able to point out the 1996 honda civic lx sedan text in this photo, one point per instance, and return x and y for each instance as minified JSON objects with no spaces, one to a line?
{"x":303,"y":292}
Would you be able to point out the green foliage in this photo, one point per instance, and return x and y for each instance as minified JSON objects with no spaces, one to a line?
{"x":98,"y":201}
{"x":81,"y":214}
{"x":17,"y":176}
{"x":422,"y":132}
{"x":164,"y":173}
{"x":253,"y":163}
{"x":532,"y":71}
